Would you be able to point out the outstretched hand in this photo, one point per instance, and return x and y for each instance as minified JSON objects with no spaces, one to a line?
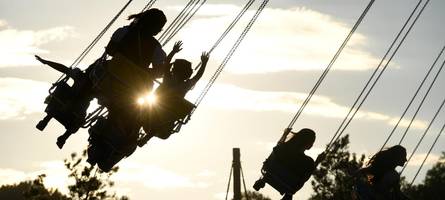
{"x":204,"y":57}
{"x":177,"y":46}
{"x":40,"y":59}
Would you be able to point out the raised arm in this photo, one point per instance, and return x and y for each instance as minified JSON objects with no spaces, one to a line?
{"x":204,"y":60}
{"x":176,"y":48}
{"x":167,"y":63}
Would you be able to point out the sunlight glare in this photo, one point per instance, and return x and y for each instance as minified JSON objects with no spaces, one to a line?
{"x":151,"y":98}
{"x":141,"y":101}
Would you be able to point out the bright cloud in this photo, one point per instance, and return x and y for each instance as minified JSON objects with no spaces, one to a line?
{"x":155,"y":177}
{"x":17,"y":47}
{"x":244,"y":99}
{"x":417,"y":159}
{"x":55,"y":171}
{"x":20,"y":97}
{"x":274,"y":44}
{"x":11,"y":176}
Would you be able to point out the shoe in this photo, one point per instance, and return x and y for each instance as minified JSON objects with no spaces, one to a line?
{"x":260,"y":183}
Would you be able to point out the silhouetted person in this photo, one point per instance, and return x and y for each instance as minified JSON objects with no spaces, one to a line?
{"x":381,"y":175}
{"x":289,"y":163}
{"x":68,"y":105}
{"x":122,"y":80}
{"x":176,"y":83}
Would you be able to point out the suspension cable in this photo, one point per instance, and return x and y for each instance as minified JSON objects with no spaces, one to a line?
{"x":342,"y":128}
{"x":429,"y":151}
{"x":413,"y":98}
{"x":244,"y":184}
{"x":176,"y":20}
{"x":421,"y":103}
{"x":149,"y":5}
{"x":329,"y":66}
{"x":228,"y":184}
{"x":423,"y":135}
{"x":229,"y":55}
{"x":94,"y":42}
{"x":184,"y":22}
{"x":234,"y":22}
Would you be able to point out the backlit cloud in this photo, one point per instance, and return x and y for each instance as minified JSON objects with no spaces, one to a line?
{"x":417,"y":159}
{"x":21,"y":97}
{"x":17,"y":47}
{"x":282,"y":39}
{"x":155,"y":177}
{"x":55,"y":171}
{"x":230,"y":97}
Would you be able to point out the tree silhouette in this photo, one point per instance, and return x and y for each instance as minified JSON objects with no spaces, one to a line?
{"x":30,"y":190}
{"x":253,"y":195}
{"x":90,"y":183}
{"x":333,"y":177}
{"x":433,"y":187}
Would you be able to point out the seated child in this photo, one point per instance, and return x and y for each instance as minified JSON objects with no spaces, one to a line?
{"x":288,"y":167}
{"x":379,"y":179}
{"x":175,"y":85}
{"x":67,"y":104}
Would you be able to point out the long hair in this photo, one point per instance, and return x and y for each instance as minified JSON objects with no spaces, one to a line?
{"x":152,"y":19}
{"x":385,"y":160}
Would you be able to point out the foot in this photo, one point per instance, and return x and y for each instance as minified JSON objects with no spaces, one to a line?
{"x":61,"y":141}
{"x":260,"y":183}
{"x":41,"y":125}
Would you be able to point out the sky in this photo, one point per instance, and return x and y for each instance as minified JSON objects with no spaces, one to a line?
{"x":251,"y":103}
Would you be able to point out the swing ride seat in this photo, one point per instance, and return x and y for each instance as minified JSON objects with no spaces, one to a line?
{"x":108,"y":144}
{"x":167,"y":116}
{"x":64,"y":105}
{"x":279,"y":176}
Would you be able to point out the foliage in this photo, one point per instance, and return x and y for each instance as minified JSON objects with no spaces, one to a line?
{"x":433,"y":187}
{"x":89,"y":183}
{"x":254,"y":196}
{"x":30,"y":190}
{"x":333,"y":177}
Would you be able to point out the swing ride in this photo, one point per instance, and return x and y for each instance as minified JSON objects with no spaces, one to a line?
{"x":129,"y":103}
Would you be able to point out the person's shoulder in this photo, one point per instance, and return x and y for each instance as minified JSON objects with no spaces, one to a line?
{"x":308,"y":160}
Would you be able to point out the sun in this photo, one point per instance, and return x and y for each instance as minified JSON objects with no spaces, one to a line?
{"x":148,"y":99}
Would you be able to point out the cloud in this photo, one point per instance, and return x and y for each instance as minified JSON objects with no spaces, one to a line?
{"x":17,"y":47}
{"x":230,"y":97}
{"x":282,"y":39}
{"x":417,"y":159}
{"x":55,"y":171}
{"x":155,"y":177}
{"x":21,"y":97}
{"x":11,"y":176}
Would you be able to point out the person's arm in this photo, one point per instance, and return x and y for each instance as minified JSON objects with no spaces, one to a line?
{"x":176,"y":48}
{"x":204,"y":60}
{"x":165,"y":68}
{"x":57,"y":66}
